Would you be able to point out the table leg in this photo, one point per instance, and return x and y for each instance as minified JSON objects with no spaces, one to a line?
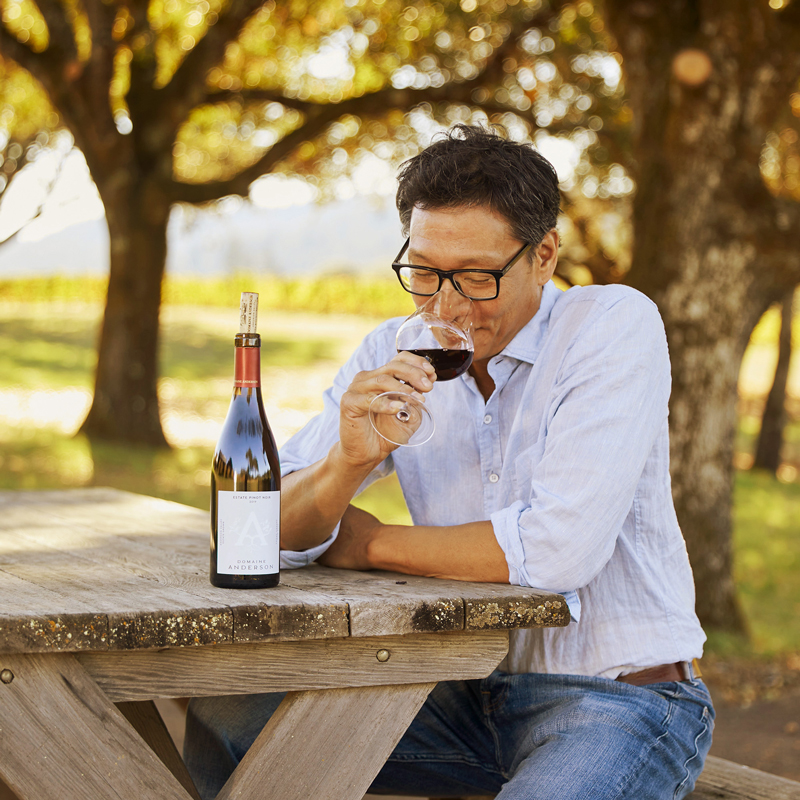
{"x":60,"y":736}
{"x":145,"y":718}
{"x":327,"y":744}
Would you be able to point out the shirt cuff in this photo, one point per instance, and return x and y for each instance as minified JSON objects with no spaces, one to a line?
{"x":506,"y":531}
{"x":294,"y":559}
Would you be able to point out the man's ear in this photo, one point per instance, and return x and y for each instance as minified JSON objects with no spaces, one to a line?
{"x":547,"y":257}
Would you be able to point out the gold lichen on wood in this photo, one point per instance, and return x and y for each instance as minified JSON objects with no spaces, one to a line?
{"x":500,"y":614}
{"x":43,"y":634}
{"x":170,"y":630}
{"x":262,"y":622}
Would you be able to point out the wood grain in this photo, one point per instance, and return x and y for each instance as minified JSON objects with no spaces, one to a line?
{"x":725,"y":780}
{"x":384,"y":603}
{"x":101,"y":569}
{"x":281,"y":667}
{"x":146,"y":721}
{"x":325,"y":745}
{"x":61,"y":737}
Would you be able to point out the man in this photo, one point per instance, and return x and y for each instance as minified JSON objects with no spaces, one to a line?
{"x":549,"y":468}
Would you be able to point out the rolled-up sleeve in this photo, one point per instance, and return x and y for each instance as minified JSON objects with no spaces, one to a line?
{"x":608,"y":405}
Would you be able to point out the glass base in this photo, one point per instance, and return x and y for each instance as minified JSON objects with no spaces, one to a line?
{"x":401,"y":419}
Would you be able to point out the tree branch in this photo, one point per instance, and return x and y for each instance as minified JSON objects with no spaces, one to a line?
{"x":790,"y":18}
{"x":187,"y":87}
{"x":320,"y":114}
{"x":38,"y":213}
{"x":38,"y":64}
{"x":143,"y":65}
{"x":62,"y":36}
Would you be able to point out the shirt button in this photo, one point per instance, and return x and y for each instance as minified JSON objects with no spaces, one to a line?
{"x":493,"y":478}
{"x":487,"y":419}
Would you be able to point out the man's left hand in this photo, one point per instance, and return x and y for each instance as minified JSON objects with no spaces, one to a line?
{"x":350,"y":548}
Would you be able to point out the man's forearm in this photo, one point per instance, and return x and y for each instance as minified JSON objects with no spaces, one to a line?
{"x":467,"y":552}
{"x":314,"y":499}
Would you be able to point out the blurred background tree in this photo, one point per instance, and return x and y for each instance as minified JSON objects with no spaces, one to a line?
{"x":679,"y":120}
{"x":27,"y":124}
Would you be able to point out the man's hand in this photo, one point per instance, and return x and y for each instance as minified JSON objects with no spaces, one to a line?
{"x":350,"y":548}
{"x":314,"y":499}
{"x":406,"y":373}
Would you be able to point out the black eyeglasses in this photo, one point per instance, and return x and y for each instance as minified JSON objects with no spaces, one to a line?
{"x":477,"y":284}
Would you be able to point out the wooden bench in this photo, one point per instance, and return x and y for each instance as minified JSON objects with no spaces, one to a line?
{"x":724,"y":780}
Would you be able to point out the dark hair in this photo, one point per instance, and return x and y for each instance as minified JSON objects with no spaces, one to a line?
{"x":473,"y":166}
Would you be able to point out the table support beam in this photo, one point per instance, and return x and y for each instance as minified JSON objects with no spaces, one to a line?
{"x":326,"y":745}
{"x":147,"y":722}
{"x":51,"y":710}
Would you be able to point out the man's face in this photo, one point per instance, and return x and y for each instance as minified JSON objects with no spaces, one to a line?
{"x":479,"y":238}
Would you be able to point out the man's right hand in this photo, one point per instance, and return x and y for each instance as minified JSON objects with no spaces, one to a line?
{"x":360,"y":444}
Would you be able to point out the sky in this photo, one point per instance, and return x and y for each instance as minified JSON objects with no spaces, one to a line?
{"x":57,"y":210}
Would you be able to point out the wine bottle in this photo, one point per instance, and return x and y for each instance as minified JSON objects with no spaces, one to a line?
{"x":246,"y":475}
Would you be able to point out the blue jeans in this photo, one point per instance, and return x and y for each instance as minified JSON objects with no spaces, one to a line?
{"x":522,"y":737}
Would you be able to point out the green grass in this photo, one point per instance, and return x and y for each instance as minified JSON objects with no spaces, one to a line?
{"x":327,"y":294}
{"x":50,"y":346}
{"x":767,"y":559}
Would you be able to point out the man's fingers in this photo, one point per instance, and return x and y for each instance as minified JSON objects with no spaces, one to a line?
{"x":404,"y":373}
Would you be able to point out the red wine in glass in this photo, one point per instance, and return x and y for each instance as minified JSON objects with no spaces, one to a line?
{"x":440,"y":330}
{"x":448,"y":363}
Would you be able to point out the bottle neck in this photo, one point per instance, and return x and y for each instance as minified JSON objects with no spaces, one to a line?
{"x":247,"y":361}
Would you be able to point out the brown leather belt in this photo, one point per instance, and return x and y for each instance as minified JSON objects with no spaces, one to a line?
{"x":661,"y":674}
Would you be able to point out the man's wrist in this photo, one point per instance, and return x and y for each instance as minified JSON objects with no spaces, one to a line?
{"x":383,"y":548}
{"x":346,"y":468}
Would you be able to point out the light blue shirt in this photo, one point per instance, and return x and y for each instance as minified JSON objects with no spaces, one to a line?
{"x":569,"y":460}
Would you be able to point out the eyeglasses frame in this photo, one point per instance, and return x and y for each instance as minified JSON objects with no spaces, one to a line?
{"x":448,"y":274}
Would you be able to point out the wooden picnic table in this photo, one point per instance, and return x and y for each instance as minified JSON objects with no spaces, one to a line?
{"x":105,"y":605}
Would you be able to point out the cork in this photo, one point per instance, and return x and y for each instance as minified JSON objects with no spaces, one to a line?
{"x":248,"y":312}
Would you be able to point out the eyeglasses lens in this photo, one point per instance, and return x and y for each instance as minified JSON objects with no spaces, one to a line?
{"x":475,"y":285}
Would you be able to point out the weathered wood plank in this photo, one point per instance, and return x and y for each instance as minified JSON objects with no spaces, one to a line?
{"x":147,"y":722}
{"x":385,"y":603}
{"x":139,"y":613}
{"x":24,"y":627}
{"x":513,"y":608}
{"x":150,"y":556}
{"x":279,"y":667}
{"x":50,"y":708}
{"x":162,"y":601}
{"x":725,"y":780}
{"x":341,"y":737}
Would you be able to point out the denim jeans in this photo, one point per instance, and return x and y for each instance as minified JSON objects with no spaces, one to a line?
{"x":522,"y":737}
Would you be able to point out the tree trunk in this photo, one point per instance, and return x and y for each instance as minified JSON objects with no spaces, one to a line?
{"x":125,"y":407}
{"x":705,"y":232}
{"x":773,"y":421}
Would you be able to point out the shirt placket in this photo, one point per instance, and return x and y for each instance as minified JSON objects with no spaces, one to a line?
{"x":488,"y":424}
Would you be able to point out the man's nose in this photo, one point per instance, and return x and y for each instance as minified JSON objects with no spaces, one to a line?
{"x":450,"y":303}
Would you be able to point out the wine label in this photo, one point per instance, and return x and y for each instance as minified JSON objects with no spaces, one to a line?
{"x":248,"y":532}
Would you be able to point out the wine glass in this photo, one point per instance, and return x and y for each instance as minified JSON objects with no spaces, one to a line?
{"x":440,"y":331}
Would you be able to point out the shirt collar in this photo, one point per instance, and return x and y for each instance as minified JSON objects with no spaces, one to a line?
{"x":525,"y":346}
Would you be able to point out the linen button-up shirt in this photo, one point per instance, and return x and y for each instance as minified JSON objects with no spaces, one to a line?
{"x":569,"y":460}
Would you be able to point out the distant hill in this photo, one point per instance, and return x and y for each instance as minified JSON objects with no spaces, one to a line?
{"x":357,"y":235}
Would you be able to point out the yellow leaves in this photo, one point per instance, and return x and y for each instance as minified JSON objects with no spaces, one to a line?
{"x":780,"y":163}
{"x":23,"y":20}
{"x":24,"y":107}
{"x":310,"y":26}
